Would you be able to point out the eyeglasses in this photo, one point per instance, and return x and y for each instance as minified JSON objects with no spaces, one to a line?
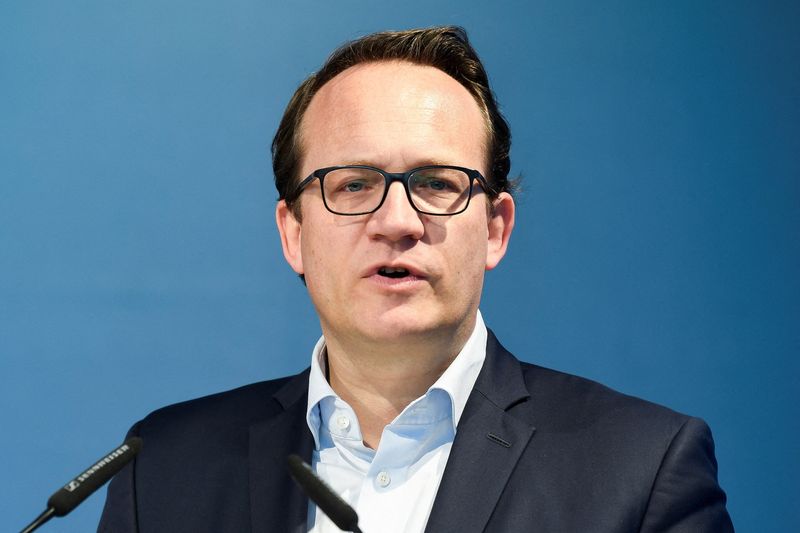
{"x":439,"y":190}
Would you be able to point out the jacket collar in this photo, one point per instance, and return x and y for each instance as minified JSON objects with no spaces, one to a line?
{"x":276,"y":502}
{"x":489,"y":442}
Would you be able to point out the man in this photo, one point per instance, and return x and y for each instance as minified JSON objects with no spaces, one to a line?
{"x":392,"y":163}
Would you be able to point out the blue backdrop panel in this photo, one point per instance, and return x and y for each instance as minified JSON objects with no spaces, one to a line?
{"x":656,"y":248}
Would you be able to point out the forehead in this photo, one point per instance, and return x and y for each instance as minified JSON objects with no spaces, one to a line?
{"x":393,"y":112}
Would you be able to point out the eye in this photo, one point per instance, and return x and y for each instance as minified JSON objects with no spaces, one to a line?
{"x":434,"y":183}
{"x":352,"y":182}
{"x":353,"y":186}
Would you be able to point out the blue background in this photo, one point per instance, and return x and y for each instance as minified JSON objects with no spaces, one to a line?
{"x":656,"y":248}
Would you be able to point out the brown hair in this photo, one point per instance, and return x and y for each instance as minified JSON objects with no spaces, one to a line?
{"x":444,"y":47}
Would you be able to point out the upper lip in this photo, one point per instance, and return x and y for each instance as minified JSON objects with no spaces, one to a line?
{"x":411,"y":268}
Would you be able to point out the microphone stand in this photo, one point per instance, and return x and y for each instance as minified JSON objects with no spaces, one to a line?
{"x":41,"y":519}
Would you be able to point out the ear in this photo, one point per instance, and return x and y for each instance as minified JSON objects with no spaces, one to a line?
{"x":501,"y":223}
{"x":291,"y":233}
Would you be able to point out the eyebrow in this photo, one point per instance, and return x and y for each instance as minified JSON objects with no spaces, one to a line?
{"x":421,"y":163}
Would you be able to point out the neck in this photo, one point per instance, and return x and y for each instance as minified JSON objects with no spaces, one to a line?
{"x":379,"y":379}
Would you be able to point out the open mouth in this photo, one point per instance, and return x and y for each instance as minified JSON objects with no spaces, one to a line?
{"x":394,"y":273}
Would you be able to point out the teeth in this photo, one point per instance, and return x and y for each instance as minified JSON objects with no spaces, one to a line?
{"x":393,"y":272}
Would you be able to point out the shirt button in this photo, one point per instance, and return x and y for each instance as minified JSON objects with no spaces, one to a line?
{"x":383,"y":478}
{"x":343,"y":422}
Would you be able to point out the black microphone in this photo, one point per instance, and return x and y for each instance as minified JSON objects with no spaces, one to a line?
{"x":340,"y":513}
{"x":73,"y":493}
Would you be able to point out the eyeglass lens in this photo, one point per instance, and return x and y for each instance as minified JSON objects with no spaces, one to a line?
{"x":360,"y":190}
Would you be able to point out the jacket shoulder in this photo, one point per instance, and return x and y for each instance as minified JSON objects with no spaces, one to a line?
{"x":223,"y":412}
{"x":631,"y":464}
{"x":564,"y":401}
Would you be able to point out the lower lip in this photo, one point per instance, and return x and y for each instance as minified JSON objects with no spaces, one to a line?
{"x":409,"y":281}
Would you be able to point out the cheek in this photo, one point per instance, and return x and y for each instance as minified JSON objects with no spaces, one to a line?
{"x":326,"y":256}
{"x":320,"y":278}
{"x":470,"y":254}
{"x":313,"y":257}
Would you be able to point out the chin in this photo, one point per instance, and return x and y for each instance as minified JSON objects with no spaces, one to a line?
{"x":404,"y":323}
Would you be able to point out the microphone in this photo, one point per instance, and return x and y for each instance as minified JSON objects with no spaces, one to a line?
{"x":340,"y":513}
{"x":78,"y":489}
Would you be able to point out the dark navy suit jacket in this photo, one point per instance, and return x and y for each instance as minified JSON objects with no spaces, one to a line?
{"x":535,"y":451}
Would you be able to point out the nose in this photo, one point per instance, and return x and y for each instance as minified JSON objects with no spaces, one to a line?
{"x":396,"y":219}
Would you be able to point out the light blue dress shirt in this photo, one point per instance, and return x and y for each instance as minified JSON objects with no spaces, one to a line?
{"x":392,"y":488}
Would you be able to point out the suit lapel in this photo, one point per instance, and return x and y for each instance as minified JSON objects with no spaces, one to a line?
{"x":276,"y":502}
{"x":489,"y":442}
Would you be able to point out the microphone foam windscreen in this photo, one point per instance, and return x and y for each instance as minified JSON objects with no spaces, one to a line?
{"x":329,"y":502}
{"x":73,"y":493}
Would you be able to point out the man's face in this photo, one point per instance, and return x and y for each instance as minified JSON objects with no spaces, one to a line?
{"x":394,"y":116}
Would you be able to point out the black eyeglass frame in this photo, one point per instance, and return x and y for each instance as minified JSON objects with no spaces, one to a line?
{"x":391,"y":177}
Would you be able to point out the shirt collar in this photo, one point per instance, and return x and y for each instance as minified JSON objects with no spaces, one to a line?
{"x":318,"y":388}
{"x":456,"y":381}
